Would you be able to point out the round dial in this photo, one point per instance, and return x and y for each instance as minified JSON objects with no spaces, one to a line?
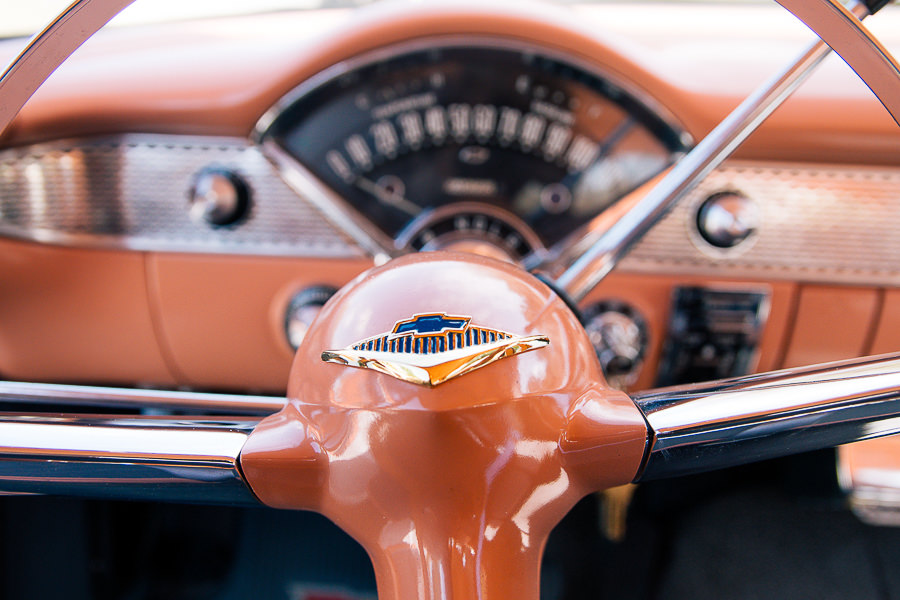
{"x":510,"y":128}
{"x":470,"y":227}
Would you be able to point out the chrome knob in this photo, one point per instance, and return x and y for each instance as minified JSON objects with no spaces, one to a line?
{"x":726,"y":219}
{"x":302,"y":310}
{"x":218,"y":197}
{"x":619,"y":336}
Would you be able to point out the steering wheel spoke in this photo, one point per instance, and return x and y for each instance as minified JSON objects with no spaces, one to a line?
{"x":81,"y":396}
{"x":125,"y":457}
{"x":724,"y":423}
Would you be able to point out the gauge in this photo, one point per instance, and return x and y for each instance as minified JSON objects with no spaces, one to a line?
{"x":471,"y":227}
{"x":618,"y":333}
{"x":541,"y":144}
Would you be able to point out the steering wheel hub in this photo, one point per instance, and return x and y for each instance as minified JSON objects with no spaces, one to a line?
{"x":427,"y":478}
{"x":496,"y":298}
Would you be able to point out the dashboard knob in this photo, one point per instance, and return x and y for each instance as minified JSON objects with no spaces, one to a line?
{"x":726,"y":219}
{"x":302,"y":310}
{"x":619,"y":336}
{"x":218,"y":197}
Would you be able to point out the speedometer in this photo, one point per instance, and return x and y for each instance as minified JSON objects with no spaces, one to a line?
{"x":489,"y":145}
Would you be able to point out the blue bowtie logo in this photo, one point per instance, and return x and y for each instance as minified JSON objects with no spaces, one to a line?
{"x":426,"y":324}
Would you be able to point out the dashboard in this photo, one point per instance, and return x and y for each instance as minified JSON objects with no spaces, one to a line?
{"x":188,"y":217}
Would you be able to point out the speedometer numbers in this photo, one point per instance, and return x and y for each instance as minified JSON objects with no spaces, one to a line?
{"x":490,"y":147}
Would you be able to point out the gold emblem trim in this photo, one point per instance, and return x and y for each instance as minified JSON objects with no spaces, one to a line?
{"x":429,"y":349}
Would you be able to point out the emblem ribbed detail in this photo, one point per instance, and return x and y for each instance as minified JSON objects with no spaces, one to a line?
{"x":416,"y":336}
{"x":431,"y":348}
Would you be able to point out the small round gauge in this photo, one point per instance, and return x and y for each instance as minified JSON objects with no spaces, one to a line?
{"x":471,"y":227}
{"x":413,"y":132}
{"x":618,"y":333}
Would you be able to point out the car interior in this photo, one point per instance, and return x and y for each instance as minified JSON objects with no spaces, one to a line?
{"x":185,"y":202}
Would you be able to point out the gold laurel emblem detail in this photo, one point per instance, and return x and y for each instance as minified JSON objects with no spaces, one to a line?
{"x":431,"y":348}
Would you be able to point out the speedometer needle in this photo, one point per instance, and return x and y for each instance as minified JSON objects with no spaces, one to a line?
{"x":389,"y":197}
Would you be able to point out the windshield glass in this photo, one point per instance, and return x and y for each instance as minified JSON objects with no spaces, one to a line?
{"x":21,"y":18}
{"x":24,"y":18}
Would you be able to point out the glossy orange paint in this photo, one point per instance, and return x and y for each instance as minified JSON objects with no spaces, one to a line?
{"x":887,"y":332}
{"x":849,"y":313}
{"x":221,"y":318}
{"x":452,"y":490}
{"x":78,"y":316}
{"x":217,"y":322}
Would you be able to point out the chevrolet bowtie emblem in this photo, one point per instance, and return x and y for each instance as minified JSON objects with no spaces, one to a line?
{"x":429,"y":349}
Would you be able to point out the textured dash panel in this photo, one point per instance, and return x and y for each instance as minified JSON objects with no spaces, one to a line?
{"x":818,"y":223}
{"x":132,"y":192}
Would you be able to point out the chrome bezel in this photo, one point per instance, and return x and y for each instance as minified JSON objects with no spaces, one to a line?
{"x":692,"y":227}
{"x":428,"y":218}
{"x":345,"y":216}
{"x":495,"y":41}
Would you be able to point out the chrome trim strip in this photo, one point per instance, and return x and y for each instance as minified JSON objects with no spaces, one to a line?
{"x":137,"y":458}
{"x":336,"y":209}
{"x":708,"y":426}
{"x":122,"y":398}
{"x":586,"y":268}
{"x":132,"y":191}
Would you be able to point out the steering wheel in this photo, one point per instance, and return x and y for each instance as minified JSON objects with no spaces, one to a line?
{"x":444,"y":409}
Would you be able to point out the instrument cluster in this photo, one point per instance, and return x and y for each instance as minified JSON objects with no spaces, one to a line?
{"x":490,"y":146}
